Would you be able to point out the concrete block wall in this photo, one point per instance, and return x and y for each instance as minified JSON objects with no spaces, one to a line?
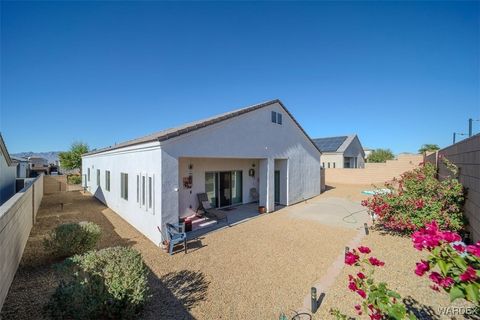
{"x":466,"y":156}
{"x":54,"y":184}
{"x":17,"y":217}
{"x":373,"y":173}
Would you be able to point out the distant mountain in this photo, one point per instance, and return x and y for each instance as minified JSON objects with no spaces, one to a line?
{"x":51,"y":156}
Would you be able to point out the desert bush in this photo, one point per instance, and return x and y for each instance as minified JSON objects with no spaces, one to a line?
{"x":72,"y":238}
{"x":108,"y":284}
{"x":74,"y":179}
{"x":418,"y":198}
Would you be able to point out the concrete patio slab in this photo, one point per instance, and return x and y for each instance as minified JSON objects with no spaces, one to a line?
{"x":332,"y":211}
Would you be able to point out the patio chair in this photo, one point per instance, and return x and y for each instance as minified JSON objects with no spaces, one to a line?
{"x":208,"y":211}
{"x":176,"y":235}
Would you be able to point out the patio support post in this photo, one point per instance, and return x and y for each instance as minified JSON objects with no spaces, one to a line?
{"x":267,"y":184}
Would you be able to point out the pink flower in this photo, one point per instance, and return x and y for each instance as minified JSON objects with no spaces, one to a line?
{"x":475,"y":250}
{"x":435,"y":287}
{"x":459,"y":248}
{"x":375,"y":262}
{"x":421,"y":268}
{"x":428,"y":237}
{"x":352,"y":286}
{"x":419,"y":204}
{"x":447,"y":282}
{"x":351,"y":258}
{"x":359,"y":309}
{"x":362,"y":293}
{"x":361,"y":275}
{"x":469,"y":275}
{"x":363,"y":249}
{"x":435,"y":277}
{"x":450,"y":236}
{"x":375,"y":315}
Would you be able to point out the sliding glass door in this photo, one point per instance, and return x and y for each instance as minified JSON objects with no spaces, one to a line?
{"x":237,"y":187}
{"x":224,"y":188}
{"x":211,"y":179}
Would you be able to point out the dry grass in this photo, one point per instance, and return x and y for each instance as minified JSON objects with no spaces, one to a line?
{"x":254,"y":270}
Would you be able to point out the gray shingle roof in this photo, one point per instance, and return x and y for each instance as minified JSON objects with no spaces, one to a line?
{"x":330,"y":144}
{"x":192,"y":126}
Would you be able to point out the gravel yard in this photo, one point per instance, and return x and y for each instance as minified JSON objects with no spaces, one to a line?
{"x":399,"y":257}
{"x":253,"y":270}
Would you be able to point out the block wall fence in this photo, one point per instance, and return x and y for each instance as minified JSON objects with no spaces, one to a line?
{"x":17,"y":216}
{"x":466,"y":156}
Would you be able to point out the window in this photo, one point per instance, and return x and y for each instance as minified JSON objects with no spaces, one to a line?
{"x":143,"y":190}
{"x":98,"y":177}
{"x":107,"y":180}
{"x":279,"y":118}
{"x":150,"y":192}
{"x":323,"y":164}
{"x":124,"y":185}
{"x":328,"y":164}
{"x":88,"y":174}
{"x":274,"y":117}
{"x":138,"y":188}
{"x":334,"y":164}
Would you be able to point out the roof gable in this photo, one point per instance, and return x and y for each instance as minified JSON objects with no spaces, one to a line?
{"x":196,"y":125}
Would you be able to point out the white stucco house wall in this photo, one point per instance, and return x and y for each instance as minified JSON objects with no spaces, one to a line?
{"x":155,"y":179}
{"x":341,"y":152}
{"x":8,"y":173}
{"x":23,"y":167}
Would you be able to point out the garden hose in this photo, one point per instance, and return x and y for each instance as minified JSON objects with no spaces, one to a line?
{"x":351,"y":214}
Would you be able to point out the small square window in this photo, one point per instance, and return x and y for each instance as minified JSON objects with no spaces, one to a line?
{"x":279,"y":118}
{"x":274,"y":117}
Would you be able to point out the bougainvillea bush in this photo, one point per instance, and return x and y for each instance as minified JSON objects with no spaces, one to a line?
{"x":417,"y":198}
{"x":452,"y":266}
{"x":377,"y":300}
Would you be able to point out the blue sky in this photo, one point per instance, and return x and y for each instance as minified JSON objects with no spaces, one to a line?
{"x":398,"y":74}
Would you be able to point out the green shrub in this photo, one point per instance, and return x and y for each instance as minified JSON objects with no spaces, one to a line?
{"x":74,"y":179}
{"x":72,"y":238}
{"x":418,"y":198}
{"x":109,"y":284}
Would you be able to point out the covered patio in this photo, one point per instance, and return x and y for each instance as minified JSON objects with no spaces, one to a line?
{"x":236,"y":215}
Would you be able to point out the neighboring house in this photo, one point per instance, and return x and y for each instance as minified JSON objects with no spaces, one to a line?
{"x":259,"y":151}
{"x":8,"y":173}
{"x":341,"y":152}
{"x":23,"y":167}
{"x":38,"y":165}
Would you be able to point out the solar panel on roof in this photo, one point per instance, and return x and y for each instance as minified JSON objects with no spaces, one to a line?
{"x":330,"y":144}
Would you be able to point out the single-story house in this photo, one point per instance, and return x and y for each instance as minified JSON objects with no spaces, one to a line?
{"x":258,"y":153}
{"x":23,"y":167}
{"x":8,"y":173}
{"x":341,"y":152}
